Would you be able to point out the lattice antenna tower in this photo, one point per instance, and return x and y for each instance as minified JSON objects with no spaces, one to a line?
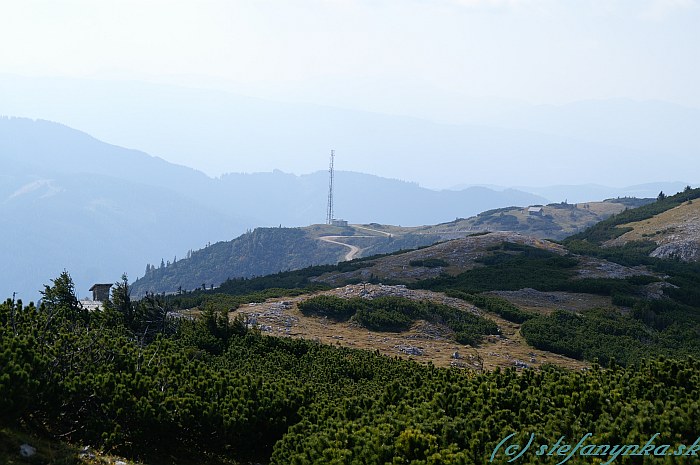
{"x":329,"y":215}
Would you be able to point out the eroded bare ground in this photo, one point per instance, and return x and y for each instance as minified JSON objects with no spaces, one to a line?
{"x":424,"y":342}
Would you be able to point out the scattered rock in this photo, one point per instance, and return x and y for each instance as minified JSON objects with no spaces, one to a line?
{"x":430,"y":331}
{"x":456,"y":356}
{"x":26,"y":451}
{"x":85,"y":453}
{"x":410,"y":350}
{"x":656,"y":290}
{"x":687,"y":250}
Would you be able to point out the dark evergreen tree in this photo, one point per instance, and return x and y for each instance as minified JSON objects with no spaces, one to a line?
{"x":61,"y":294}
{"x":121,"y":300}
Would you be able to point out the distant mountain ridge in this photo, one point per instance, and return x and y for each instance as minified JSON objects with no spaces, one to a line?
{"x":586,"y":192}
{"x":609,"y":142}
{"x":98,"y":210}
{"x":360,"y":198}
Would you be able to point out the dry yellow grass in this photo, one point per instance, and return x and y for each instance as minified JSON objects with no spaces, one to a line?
{"x":602,"y":208}
{"x":281,"y":317}
{"x":679,"y":223}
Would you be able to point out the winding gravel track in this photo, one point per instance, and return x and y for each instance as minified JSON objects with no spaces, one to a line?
{"x":354,"y":250}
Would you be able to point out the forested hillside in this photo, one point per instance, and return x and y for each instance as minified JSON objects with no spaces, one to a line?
{"x":256,"y":253}
{"x":264,"y":251}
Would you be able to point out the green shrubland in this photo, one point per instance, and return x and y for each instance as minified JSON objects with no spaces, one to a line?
{"x":212,"y":390}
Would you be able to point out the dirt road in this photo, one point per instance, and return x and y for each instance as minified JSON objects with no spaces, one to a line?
{"x":354,"y":250}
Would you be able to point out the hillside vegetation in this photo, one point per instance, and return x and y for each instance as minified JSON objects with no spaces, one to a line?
{"x":641,"y":306}
{"x":213,"y":391}
{"x":676,"y":232}
{"x":398,"y":314}
{"x":262,"y":251}
{"x":270,"y":250}
{"x":265,"y":251}
{"x":177,"y":379}
{"x":614,"y":226}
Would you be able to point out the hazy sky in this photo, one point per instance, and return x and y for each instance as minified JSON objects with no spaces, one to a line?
{"x":425,"y":58}
{"x":542,"y":51}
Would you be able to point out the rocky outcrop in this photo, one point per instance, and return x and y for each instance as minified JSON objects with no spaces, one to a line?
{"x":686,"y":250}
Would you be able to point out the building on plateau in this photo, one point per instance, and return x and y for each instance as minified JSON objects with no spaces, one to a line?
{"x":100,"y":294}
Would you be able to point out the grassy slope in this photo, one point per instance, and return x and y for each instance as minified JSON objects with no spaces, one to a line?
{"x":679,"y":223}
{"x":614,"y":226}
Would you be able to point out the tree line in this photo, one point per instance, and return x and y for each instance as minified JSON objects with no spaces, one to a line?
{"x":213,"y":390}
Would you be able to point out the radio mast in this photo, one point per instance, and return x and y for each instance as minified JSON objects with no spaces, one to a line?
{"x":329,"y":215}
